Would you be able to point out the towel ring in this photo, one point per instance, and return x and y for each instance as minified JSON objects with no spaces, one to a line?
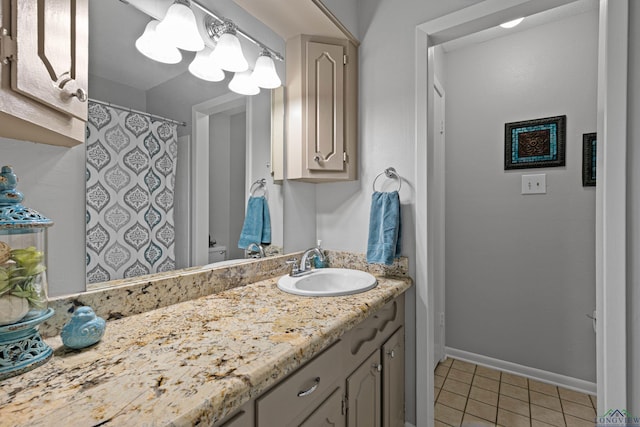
{"x":390,"y":173}
{"x":260,"y":184}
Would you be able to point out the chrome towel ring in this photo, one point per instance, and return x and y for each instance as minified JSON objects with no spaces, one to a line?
{"x":390,"y":173}
{"x":260,"y":184}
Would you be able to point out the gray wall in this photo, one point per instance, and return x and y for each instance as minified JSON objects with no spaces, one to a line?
{"x":633,"y":214}
{"x":105,"y":90}
{"x":237,"y":184}
{"x":520,"y":269}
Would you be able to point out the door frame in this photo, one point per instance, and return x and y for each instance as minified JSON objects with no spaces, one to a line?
{"x":610,"y":191}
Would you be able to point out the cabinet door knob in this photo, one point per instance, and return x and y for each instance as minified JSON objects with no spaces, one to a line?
{"x":392,"y":353}
{"x":316,"y":159}
{"x":81,"y":94}
{"x":377,"y":367}
{"x":310,"y":390}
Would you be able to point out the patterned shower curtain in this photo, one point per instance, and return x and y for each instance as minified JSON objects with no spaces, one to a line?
{"x":131,"y":161}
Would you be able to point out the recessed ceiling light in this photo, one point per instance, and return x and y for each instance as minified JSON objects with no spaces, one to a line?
{"x":511,"y":24}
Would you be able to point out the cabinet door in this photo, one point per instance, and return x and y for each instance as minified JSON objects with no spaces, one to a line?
{"x":51,"y":58}
{"x":328,"y":414}
{"x":363,"y":394}
{"x":325,"y":106}
{"x":393,"y":380}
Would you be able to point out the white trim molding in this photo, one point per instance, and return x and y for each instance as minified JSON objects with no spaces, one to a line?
{"x":524,"y":371}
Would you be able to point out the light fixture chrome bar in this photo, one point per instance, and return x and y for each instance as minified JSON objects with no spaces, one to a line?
{"x":238,"y":30}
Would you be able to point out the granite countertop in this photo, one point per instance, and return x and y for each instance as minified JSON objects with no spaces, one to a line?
{"x":189,"y":363}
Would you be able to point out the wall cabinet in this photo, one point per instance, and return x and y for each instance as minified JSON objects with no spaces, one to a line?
{"x":321,"y":102}
{"x":358,"y":381}
{"x":44,"y":70}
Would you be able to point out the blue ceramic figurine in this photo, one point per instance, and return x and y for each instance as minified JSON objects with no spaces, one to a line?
{"x":84,"y":329}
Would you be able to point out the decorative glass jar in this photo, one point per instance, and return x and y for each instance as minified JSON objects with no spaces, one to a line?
{"x":23,"y":233}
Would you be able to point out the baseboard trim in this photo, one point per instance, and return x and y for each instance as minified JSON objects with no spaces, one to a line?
{"x":406,"y":424}
{"x":525,"y":371}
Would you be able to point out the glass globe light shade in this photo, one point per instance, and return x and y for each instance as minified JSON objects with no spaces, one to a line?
{"x":511,"y":24}
{"x":243,"y":84}
{"x":179,"y":26}
{"x":264,"y":74}
{"x":228,"y":54}
{"x":155,"y":47}
{"x":204,"y":67}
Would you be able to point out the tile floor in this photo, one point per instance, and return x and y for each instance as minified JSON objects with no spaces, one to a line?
{"x":475,"y":396}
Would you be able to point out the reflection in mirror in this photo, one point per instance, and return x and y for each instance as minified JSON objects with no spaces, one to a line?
{"x":217,"y":161}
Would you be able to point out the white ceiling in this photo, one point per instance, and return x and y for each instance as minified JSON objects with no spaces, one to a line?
{"x":556,"y":14}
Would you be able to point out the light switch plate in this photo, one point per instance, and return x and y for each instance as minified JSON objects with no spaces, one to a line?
{"x":534,"y":184}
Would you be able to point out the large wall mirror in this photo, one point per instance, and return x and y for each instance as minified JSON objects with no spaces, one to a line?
{"x":224,"y":146}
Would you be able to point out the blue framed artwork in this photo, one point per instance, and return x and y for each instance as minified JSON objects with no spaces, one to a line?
{"x":589,"y":159}
{"x":538,"y":143}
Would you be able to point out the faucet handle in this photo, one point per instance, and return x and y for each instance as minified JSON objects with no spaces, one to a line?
{"x":293,"y":262}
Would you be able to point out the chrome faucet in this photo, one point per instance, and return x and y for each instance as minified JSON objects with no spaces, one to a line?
{"x":254,"y":250}
{"x":305,"y":263}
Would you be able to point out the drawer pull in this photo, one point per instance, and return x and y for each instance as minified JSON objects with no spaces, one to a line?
{"x":311,"y":390}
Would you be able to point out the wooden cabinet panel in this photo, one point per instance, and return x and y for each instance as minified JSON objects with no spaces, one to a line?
{"x":363,"y":394}
{"x":393,"y":380}
{"x":329,"y":413}
{"x":321,"y":109}
{"x":44,"y":74}
{"x":298,"y":395}
{"x":325,"y":101}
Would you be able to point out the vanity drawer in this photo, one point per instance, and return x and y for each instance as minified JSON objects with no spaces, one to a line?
{"x":299,"y":395}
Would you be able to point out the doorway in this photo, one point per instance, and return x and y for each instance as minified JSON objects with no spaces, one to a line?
{"x":611,"y":366}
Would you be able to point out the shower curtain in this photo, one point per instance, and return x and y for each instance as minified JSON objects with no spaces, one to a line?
{"x":131,"y":161}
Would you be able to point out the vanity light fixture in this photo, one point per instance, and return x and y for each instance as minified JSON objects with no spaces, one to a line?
{"x":264,"y":73}
{"x":180,"y":28}
{"x":243,"y":84}
{"x":205,"y":67}
{"x":153,"y":46}
{"x":511,"y":24}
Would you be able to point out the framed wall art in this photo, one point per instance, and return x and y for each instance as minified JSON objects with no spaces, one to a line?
{"x":589,"y":159}
{"x":538,"y":143}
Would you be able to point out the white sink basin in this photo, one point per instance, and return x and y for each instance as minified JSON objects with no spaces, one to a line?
{"x":328,"y":282}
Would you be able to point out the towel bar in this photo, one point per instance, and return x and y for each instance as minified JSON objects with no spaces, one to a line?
{"x":390,"y":173}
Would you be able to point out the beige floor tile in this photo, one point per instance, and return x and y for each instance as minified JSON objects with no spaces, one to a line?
{"x":471,"y":421}
{"x":452,"y":400}
{"x":440,"y":424}
{"x":514,"y":379}
{"x":594,"y":401}
{"x":574,"y":396}
{"x":486,"y":383}
{"x":483,"y":371}
{"x":510,"y":419}
{"x":577,"y":422}
{"x":447,"y":415}
{"x":456,"y":387}
{"x":446,"y":362}
{"x":484,"y":396}
{"x":481,"y":410}
{"x":543,"y":387}
{"x":464,"y":366}
{"x":513,"y":405}
{"x":579,"y":411}
{"x":442,"y":370}
{"x":461,"y":376}
{"x":513,"y":391}
{"x":536,"y":423}
{"x":438,"y":380}
{"x":436,"y":393}
{"x":545,"y":400}
{"x":548,"y":416}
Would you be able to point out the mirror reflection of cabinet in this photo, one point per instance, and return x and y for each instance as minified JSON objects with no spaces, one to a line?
{"x":44,"y":53}
{"x":322,"y":121}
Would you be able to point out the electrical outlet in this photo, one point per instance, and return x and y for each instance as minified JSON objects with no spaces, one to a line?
{"x":534,"y":184}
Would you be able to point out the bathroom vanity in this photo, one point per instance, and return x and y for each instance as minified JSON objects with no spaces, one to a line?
{"x":248,"y":355}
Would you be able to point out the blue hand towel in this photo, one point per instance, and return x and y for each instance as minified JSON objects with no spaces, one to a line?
{"x":384,"y":228}
{"x":257,"y":223}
